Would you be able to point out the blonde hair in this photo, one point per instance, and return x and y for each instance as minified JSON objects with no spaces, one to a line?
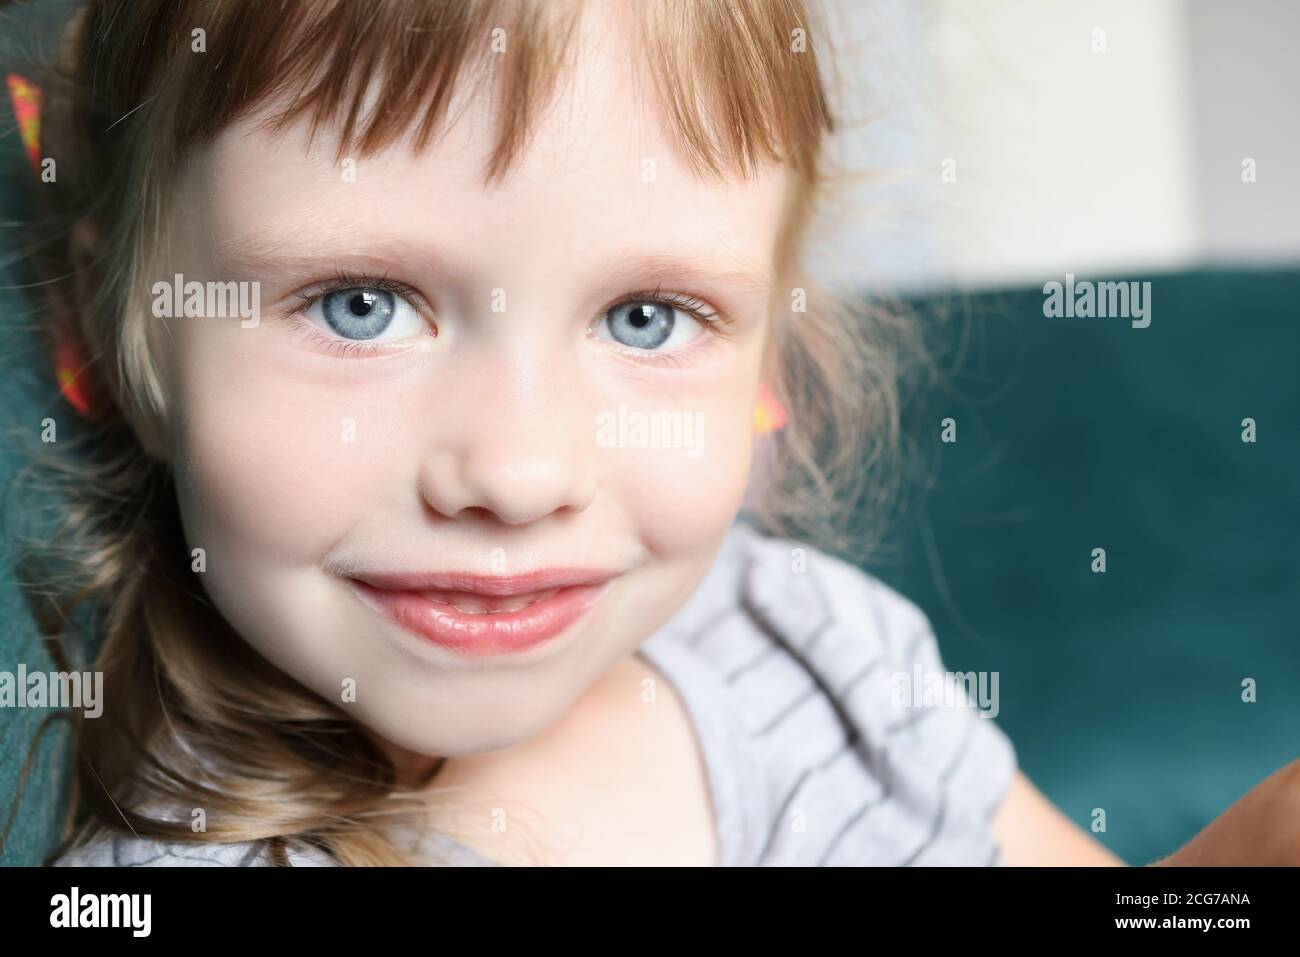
{"x":124,"y":103}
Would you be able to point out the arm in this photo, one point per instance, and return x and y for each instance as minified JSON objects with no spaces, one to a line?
{"x":1263,"y":828}
{"x":1033,"y":832}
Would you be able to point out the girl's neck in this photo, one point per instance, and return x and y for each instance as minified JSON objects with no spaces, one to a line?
{"x":413,"y":770}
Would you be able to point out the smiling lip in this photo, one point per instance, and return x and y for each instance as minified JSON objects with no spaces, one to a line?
{"x":483,"y":615}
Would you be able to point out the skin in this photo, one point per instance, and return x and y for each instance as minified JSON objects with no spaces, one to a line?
{"x":473,"y":446}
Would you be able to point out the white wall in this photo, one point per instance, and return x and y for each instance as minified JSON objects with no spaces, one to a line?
{"x":1067,"y":156}
{"x":1245,"y":84}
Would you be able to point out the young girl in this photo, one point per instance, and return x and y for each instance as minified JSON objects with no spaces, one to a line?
{"x":432,"y":350}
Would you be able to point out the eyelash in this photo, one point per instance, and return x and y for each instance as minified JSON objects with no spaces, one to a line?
{"x":351,"y":348}
{"x":345,"y":348}
{"x":698,"y":310}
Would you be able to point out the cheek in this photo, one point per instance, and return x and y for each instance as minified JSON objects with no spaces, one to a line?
{"x":264,"y":465}
{"x":683,"y":498}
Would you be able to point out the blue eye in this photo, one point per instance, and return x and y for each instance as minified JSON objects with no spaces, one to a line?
{"x":646,"y":324}
{"x":358,"y":313}
{"x":365,"y":312}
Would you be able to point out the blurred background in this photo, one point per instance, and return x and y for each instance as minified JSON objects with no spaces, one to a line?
{"x":1005,"y":144}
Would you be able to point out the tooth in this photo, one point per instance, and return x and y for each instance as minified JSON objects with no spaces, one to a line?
{"x":470,"y":606}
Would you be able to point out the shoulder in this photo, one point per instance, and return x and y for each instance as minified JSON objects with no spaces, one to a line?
{"x":125,"y":850}
{"x":825,"y":667}
{"x":803,"y":598}
{"x":791,"y":583}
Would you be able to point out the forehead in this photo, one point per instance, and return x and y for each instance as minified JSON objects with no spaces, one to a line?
{"x":600,"y":169}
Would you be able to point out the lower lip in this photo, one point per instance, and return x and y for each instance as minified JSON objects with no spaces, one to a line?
{"x":486,"y":634}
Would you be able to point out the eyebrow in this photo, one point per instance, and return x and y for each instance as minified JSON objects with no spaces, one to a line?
{"x":700,"y":264}
{"x":275,"y":249}
{"x":690,"y":262}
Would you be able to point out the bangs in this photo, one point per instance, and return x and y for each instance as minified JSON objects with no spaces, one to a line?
{"x":738,"y":79}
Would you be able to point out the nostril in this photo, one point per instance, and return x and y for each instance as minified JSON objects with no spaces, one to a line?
{"x":475,"y":481}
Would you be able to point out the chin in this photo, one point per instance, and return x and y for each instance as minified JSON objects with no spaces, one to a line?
{"x":468,"y":732}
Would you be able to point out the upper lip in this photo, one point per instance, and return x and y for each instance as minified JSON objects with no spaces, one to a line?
{"x":471,"y":583}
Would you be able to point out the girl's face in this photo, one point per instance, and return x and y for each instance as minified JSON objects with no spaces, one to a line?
{"x":457,"y":398}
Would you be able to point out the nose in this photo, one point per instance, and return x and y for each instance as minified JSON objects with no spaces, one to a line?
{"x":519,"y":452}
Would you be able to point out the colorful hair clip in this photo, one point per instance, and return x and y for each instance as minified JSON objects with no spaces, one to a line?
{"x":70,"y":358}
{"x":70,"y":364}
{"x":769,"y":414}
{"x":26,"y":97}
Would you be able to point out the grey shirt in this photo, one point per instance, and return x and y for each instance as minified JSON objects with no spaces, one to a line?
{"x":803,"y":678}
